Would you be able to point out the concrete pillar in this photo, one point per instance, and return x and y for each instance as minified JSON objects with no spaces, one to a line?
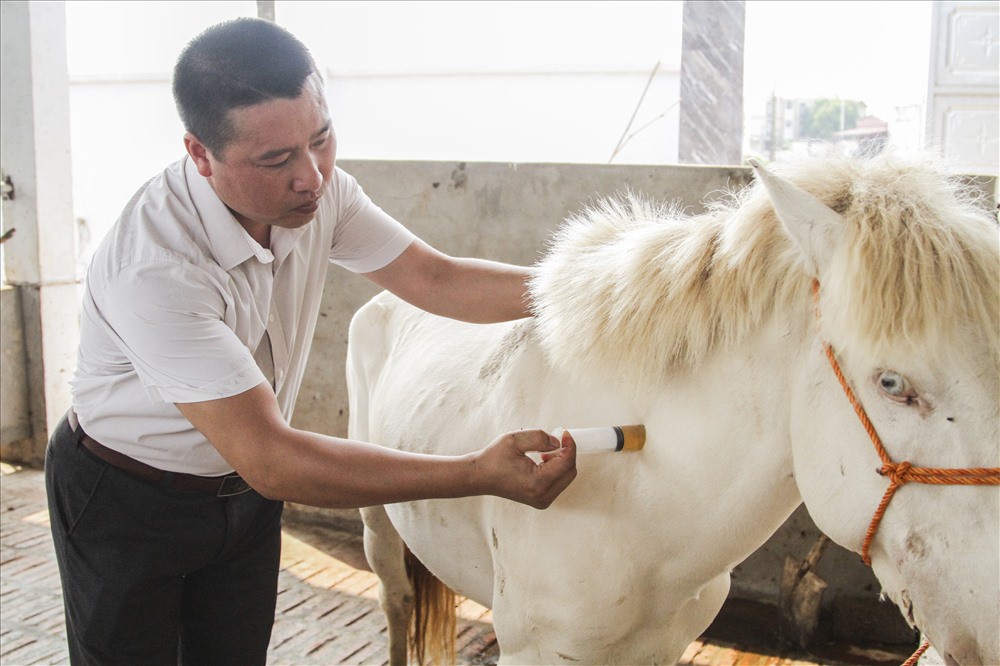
{"x":265,"y":9}
{"x":40,"y":257}
{"x":711,"y":110}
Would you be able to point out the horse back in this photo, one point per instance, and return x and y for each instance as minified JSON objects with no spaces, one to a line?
{"x":408,"y":369}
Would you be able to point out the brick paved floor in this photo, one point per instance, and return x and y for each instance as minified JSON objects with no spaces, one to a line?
{"x":327,"y":610}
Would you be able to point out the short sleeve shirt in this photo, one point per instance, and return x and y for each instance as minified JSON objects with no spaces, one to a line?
{"x":179,"y":296}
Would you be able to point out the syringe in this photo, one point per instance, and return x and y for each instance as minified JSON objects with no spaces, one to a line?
{"x":607,"y":438}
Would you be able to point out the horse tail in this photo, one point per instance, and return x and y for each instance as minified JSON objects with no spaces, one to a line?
{"x":432,"y":625}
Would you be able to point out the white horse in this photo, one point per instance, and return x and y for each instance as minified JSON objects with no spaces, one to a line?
{"x":705,"y":330}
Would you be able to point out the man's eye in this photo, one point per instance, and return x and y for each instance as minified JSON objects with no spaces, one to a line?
{"x":275,"y":165}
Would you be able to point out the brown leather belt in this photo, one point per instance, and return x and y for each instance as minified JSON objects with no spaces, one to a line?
{"x":220,"y":486}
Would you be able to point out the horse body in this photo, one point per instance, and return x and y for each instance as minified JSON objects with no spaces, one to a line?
{"x":632,"y":561}
{"x":633,"y":521}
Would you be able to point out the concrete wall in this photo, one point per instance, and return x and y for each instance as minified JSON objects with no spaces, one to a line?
{"x":15,"y":416}
{"x":35,"y":138}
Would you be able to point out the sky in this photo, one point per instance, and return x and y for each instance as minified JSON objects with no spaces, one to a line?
{"x":876,"y":52}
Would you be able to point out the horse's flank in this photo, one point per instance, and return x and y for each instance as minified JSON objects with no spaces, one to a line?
{"x":636,"y":288}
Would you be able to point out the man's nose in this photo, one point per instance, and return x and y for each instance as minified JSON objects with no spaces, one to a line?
{"x":308,"y":177}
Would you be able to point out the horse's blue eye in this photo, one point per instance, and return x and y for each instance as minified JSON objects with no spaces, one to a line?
{"x":893,"y":384}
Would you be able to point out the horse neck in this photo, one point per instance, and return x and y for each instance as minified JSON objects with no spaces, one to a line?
{"x":719,"y":442}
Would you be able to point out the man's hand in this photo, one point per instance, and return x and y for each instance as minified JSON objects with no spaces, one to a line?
{"x":504,"y":469}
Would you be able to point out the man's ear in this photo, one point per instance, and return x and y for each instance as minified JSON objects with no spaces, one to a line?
{"x":199,"y":154}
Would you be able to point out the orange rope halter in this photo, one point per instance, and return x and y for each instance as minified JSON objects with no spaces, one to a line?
{"x":915,"y":657}
{"x":900,"y":473}
{"x":904,"y":472}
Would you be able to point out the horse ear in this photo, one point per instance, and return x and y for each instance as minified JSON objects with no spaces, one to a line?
{"x":811,"y":223}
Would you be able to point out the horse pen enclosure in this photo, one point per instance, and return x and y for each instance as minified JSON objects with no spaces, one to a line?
{"x":505,"y":212}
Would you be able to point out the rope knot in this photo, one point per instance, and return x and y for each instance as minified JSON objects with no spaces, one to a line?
{"x":898,"y":473}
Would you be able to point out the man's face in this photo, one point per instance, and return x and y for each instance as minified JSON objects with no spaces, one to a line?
{"x":275,"y":170}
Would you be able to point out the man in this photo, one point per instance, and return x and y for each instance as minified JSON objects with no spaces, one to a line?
{"x":165,"y":481}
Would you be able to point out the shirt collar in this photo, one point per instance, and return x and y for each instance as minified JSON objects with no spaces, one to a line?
{"x":231,"y":244}
{"x":283,"y":240}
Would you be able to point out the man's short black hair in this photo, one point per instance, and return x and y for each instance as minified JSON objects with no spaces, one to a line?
{"x":236,"y":64}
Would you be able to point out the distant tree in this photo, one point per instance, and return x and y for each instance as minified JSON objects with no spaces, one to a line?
{"x":822,"y":119}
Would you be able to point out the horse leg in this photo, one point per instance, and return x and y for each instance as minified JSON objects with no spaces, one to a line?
{"x":384,"y":549}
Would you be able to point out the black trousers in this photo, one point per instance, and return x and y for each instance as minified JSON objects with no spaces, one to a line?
{"x":154,"y":575}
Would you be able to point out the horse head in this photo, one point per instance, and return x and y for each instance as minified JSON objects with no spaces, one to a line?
{"x":907,"y":266}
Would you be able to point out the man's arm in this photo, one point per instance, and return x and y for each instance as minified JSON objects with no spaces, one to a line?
{"x":281,"y":462}
{"x":473,"y":290}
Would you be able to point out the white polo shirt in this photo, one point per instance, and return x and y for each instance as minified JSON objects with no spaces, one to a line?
{"x":179,"y":296}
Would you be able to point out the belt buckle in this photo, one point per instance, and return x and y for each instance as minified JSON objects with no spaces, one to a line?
{"x":232,"y":484}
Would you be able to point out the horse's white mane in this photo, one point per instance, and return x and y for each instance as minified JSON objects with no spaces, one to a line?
{"x":631,"y":285}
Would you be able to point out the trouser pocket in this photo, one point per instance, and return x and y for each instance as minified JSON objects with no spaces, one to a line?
{"x":72,"y":479}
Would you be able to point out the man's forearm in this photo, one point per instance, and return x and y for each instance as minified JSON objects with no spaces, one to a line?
{"x":474,"y":290}
{"x":338,"y":473}
{"x":487,"y":291}
{"x":282,"y":462}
